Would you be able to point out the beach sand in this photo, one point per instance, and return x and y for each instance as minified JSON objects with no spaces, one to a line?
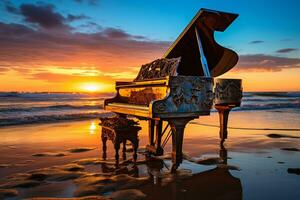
{"x":63,"y":160}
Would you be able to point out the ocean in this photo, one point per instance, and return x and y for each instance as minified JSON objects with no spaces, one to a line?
{"x":17,"y":108}
{"x":259,"y":160}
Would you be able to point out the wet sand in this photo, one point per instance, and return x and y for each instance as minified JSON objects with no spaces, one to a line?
{"x":63,"y":160}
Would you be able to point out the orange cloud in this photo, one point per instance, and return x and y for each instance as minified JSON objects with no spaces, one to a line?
{"x":37,"y":54}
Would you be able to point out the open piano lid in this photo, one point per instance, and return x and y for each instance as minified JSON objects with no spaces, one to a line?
{"x":219,"y":59}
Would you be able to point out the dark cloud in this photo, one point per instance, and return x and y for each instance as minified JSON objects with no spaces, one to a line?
{"x":262,"y":62}
{"x":43,"y":15}
{"x":91,"y":25}
{"x":91,"y":2}
{"x":286,"y":50}
{"x":256,"y":42}
{"x":11,"y":8}
{"x":116,"y":33}
{"x":71,"y":17}
{"x":11,"y":31}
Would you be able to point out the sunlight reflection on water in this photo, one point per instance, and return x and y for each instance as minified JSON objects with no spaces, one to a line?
{"x":93,"y":128}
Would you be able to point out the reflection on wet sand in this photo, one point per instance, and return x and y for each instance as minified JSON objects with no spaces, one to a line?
{"x":217,"y":183}
{"x":213,"y":184}
{"x":203,"y":174}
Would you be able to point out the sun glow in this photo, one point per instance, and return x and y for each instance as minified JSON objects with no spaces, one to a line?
{"x":91,"y":87}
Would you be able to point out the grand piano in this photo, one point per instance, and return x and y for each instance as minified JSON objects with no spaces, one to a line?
{"x":181,"y":86}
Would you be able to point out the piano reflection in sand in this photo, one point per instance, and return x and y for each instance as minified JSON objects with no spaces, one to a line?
{"x":215,"y":183}
{"x":181,"y":86}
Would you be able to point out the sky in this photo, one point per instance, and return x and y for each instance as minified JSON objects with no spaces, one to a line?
{"x":81,"y":45}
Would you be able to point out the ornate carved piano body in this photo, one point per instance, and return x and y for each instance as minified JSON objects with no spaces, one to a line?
{"x":180,"y":86}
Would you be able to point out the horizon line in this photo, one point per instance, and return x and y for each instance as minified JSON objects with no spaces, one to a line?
{"x":114,"y":91}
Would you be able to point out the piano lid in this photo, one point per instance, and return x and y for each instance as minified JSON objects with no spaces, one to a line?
{"x":219,"y":59}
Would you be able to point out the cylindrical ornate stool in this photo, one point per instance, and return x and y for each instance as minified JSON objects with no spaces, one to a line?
{"x":228,"y":94}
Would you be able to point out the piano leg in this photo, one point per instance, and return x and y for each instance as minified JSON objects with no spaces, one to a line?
{"x":223,"y":118}
{"x":151,"y":124}
{"x":155,"y":130}
{"x":104,"y":139}
{"x":223,"y":153}
{"x":177,"y":126}
{"x":158,"y":134}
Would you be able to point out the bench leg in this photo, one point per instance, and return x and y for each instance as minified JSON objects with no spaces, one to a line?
{"x":121,"y":115}
{"x":177,"y":126}
{"x":124,"y":150}
{"x":117,"y":147}
{"x":135,"y":145}
{"x":223,"y":118}
{"x":104,"y":139}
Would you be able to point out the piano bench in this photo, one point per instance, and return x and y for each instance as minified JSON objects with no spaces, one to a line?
{"x":119,"y":135}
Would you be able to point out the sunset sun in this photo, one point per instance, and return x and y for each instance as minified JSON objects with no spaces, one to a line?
{"x":90,"y":87}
